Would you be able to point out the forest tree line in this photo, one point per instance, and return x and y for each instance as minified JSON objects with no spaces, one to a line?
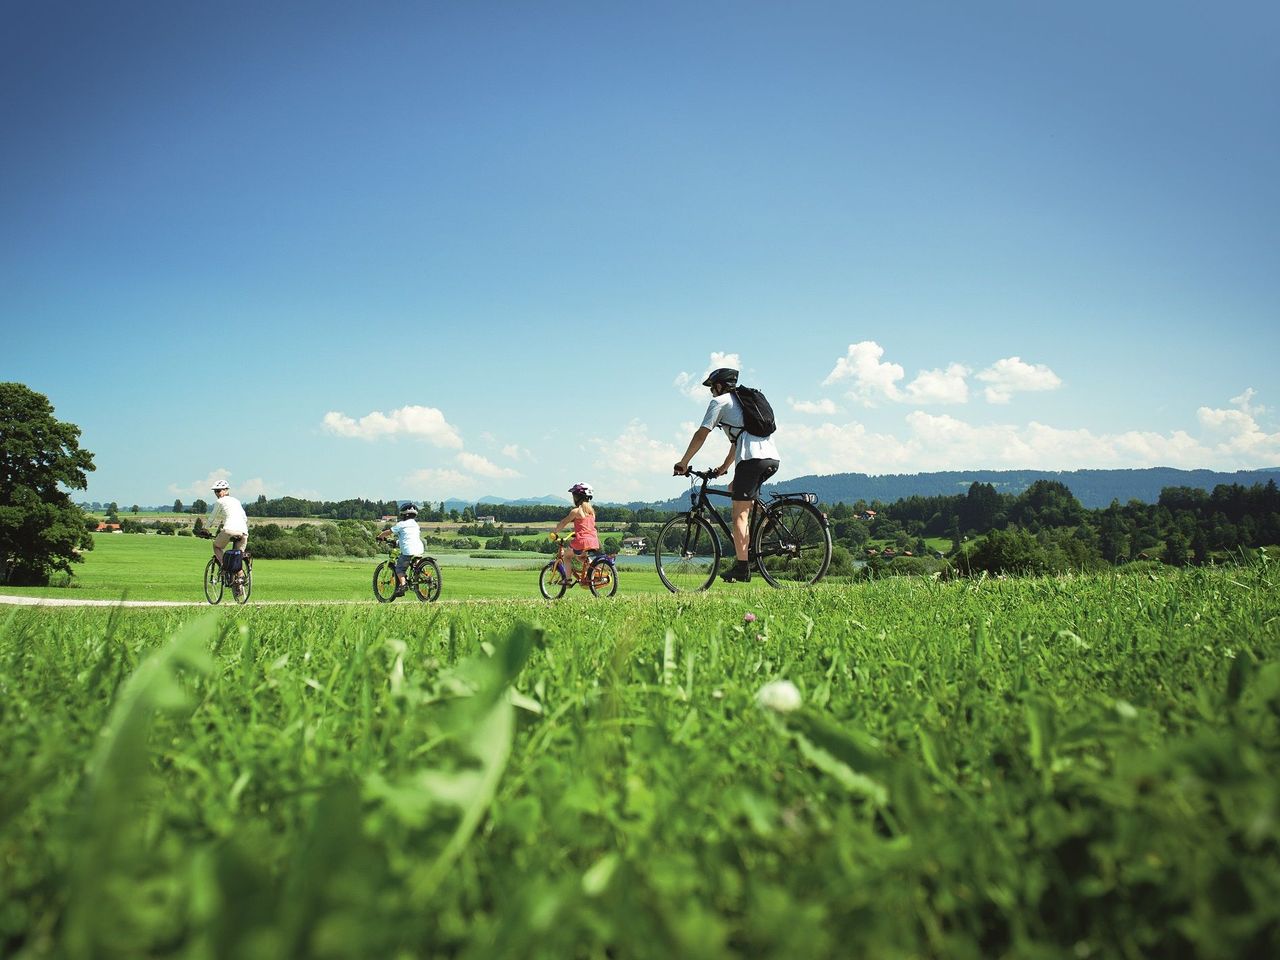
{"x":1046,"y":529}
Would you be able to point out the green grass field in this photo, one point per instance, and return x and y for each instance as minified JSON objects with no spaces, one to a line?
{"x":141,"y":567}
{"x":1077,"y":767}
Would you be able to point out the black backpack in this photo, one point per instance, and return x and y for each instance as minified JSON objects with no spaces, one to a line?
{"x":757,"y":415}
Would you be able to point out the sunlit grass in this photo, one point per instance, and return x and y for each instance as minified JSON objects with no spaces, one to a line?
{"x":1078,"y":766}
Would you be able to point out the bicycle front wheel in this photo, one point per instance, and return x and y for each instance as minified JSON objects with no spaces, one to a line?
{"x":792,"y":545}
{"x":426,"y":579}
{"x":602,"y":577}
{"x":551,"y":582}
{"x":384,"y":581}
{"x":213,"y":581}
{"x":687,"y":554}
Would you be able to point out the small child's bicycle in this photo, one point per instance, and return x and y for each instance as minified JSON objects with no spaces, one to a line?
{"x":422,"y":577}
{"x":565,"y":571}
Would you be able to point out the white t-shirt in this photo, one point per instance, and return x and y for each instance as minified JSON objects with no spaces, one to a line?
{"x":409,"y":537}
{"x":725,"y":412}
{"x":228,"y":512}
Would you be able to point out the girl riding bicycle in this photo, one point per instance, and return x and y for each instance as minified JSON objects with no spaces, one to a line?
{"x":583,"y":518}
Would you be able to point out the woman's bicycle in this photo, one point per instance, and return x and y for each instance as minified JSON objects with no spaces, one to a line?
{"x":422,"y":577}
{"x":565,"y":571}
{"x":790,"y":540}
{"x":217,"y":580}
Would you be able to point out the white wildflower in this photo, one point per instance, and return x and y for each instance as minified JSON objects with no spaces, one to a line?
{"x":780,"y":696}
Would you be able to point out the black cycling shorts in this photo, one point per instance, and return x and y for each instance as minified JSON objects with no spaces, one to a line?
{"x":749,"y":476}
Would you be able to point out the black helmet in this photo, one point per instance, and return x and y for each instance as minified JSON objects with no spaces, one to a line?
{"x":725,"y":375}
{"x":408,"y":510}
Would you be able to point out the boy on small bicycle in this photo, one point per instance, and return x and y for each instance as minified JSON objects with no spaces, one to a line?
{"x":409,"y":539}
{"x":583,"y":518}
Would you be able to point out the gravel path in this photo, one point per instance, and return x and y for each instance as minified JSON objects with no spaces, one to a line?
{"x":28,"y":601}
{"x":60,"y":602}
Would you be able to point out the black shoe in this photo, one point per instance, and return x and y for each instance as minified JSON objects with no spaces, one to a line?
{"x":399,"y":592}
{"x":739,"y":573}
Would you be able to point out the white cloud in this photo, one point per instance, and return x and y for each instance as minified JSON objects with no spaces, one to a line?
{"x":203,"y":489}
{"x":474,"y":463}
{"x":843,"y":448}
{"x":1238,"y":429}
{"x":513,"y":451}
{"x":823,"y":406}
{"x":940,"y":386}
{"x":872,"y":380}
{"x":691,"y":384}
{"x":1231,"y":440}
{"x":1011,"y":375}
{"x":1245,"y":403}
{"x":440,"y":482}
{"x":629,"y":465}
{"x":424,"y":423}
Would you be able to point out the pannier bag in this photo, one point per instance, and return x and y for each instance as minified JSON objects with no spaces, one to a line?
{"x":232,"y":562}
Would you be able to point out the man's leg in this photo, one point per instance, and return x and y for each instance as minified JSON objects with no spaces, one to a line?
{"x":741,"y":520}
{"x":748,"y":475}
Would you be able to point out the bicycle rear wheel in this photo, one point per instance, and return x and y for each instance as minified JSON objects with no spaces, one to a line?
{"x":384,"y":581}
{"x":687,"y":554}
{"x":602,"y":577}
{"x":551,"y":581}
{"x":213,"y":581}
{"x":426,"y":579}
{"x":792,"y":544}
{"x":241,"y":588}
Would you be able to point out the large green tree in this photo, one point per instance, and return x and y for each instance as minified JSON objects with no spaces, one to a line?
{"x":41,"y":530}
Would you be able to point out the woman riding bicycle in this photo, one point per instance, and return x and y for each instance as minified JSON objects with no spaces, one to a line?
{"x":583,"y":518}
{"x":409,"y":539}
{"x":228,"y":512}
{"x":756,"y":459}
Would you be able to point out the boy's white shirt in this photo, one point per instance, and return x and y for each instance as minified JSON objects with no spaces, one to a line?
{"x":409,"y":538}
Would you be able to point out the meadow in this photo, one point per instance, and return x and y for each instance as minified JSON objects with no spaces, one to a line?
{"x":150,"y":567}
{"x":1078,"y":767}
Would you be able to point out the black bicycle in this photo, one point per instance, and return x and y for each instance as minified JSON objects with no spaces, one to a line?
{"x":422,"y":577}
{"x":790,"y":540}
{"x":217,"y":580}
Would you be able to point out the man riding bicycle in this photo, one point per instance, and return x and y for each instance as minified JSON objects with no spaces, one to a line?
{"x":756,"y":460}
{"x":228,"y":512}
{"x":409,"y":539}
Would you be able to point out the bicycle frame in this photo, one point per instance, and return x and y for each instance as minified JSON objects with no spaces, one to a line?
{"x":567,"y":560}
{"x":701,"y":506}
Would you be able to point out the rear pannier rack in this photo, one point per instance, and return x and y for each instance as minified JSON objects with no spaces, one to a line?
{"x":806,"y":497}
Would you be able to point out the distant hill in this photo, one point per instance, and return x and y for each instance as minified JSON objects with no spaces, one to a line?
{"x":1093,"y":488}
{"x":546,"y":499}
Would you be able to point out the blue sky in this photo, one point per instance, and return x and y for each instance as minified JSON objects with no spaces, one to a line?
{"x":453,"y":249}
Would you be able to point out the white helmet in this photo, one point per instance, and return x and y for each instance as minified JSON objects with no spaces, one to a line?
{"x":220,"y":485}
{"x":582,"y":488}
